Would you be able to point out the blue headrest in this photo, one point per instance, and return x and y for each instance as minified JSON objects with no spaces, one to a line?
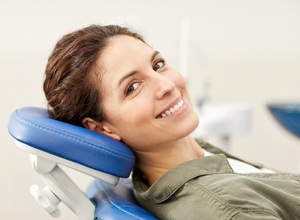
{"x":32,"y":126}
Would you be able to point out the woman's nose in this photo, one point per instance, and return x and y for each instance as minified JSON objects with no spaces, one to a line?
{"x":163,"y":85}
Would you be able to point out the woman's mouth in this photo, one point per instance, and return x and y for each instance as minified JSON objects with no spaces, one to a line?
{"x":172,"y":110}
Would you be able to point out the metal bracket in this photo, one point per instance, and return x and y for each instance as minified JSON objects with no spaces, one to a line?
{"x":59,"y":188}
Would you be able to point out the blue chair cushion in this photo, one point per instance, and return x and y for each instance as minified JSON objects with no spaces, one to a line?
{"x":34,"y":127}
{"x":116,"y":202}
{"x":287,"y":115}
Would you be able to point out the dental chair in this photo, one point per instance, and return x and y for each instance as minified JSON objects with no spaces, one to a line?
{"x":52,"y":143}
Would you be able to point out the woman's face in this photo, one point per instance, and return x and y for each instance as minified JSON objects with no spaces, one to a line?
{"x":145,"y":100}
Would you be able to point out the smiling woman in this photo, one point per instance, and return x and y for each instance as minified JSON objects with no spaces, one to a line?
{"x":107,"y":79}
{"x":141,"y":86}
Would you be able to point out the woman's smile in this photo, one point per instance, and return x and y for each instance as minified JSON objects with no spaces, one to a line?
{"x":173,"y":110}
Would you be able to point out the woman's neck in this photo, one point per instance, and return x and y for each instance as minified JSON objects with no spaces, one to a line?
{"x":154,"y":164}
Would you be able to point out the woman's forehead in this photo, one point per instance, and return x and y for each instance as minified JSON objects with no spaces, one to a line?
{"x":123,"y":54}
{"x":123,"y":45}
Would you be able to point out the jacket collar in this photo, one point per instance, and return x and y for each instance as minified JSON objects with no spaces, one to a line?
{"x":172,"y":180}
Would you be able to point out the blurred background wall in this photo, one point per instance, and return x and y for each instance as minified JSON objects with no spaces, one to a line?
{"x":247,"y":51}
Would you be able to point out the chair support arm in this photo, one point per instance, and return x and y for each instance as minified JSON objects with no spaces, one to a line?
{"x":62,"y":188}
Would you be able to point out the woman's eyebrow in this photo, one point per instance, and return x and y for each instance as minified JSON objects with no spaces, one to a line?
{"x":154,"y":55}
{"x":135,"y":71}
{"x":126,"y":76}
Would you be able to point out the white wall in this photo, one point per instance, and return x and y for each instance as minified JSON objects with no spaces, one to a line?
{"x":248,"y":50}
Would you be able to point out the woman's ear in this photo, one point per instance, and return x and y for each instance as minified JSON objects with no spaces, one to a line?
{"x":100,"y":127}
{"x":90,"y":124}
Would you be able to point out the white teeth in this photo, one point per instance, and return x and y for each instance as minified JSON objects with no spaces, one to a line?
{"x":173,"y":109}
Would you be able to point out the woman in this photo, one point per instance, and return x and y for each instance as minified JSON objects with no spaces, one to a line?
{"x":107,"y":79}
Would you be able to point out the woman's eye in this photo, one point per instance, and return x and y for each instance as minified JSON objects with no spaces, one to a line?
{"x":132,"y":88}
{"x":159,"y":64}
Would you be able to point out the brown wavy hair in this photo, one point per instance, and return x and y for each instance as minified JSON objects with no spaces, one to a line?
{"x":73,"y":76}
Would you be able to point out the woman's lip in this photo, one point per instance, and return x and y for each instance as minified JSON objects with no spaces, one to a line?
{"x":171,"y":105}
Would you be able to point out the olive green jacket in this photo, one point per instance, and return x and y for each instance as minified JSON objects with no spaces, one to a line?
{"x":208,"y":189}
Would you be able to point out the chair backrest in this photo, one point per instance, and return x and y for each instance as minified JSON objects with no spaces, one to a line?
{"x":54,"y":142}
{"x":116,"y":202}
